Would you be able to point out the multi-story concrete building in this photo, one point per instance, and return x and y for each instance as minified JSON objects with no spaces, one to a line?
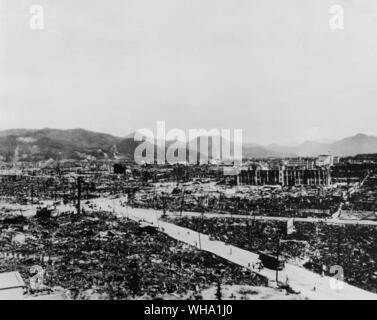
{"x":303,"y":163}
{"x":286,"y":176}
{"x":325,"y":160}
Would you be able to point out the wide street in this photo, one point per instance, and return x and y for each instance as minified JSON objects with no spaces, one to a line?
{"x":309,"y":284}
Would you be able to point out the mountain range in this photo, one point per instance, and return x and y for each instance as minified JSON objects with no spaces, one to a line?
{"x":43,"y":144}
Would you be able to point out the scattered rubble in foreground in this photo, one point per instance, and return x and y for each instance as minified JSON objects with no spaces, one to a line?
{"x":244,"y":292}
{"x":97,"y":256}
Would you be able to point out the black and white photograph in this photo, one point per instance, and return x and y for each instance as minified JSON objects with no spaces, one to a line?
{"x":195,"y":150}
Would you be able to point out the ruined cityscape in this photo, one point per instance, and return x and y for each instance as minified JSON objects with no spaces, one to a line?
{"x":267,"y":228}
{"x":188,"y":155}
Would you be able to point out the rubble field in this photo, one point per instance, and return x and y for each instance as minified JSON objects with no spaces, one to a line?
{"x":98,"y":256}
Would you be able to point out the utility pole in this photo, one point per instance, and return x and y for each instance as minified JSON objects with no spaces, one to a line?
{"x":32,"y":192}
{"x":163,"y":205}
{"x":338,"y":250}
{"x":55,"y":190}
{"x":249,"y":231}
{"x":201,"y":222}
{"x":182,"y":200}
{"x":277,"y":257}
{"x":78,"y":195}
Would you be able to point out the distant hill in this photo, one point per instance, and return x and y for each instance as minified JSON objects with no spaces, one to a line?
{"x":43,"y":144}
{"x":34,"y":145}
{"x":349,"y":146}
{"x":359,"y":143}
{"x":256,"y":151}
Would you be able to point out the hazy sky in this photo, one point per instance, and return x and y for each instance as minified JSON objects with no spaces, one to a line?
{"x":270,"y":67}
